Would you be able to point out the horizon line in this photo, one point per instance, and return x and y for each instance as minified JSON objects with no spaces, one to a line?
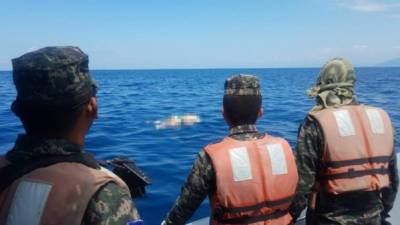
{"x":223,"y":68}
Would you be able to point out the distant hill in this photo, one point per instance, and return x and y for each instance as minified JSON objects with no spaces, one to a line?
{"x":392,"y":62}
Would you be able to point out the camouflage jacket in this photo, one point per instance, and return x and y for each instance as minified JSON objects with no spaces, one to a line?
{"x":201,"y":180}
{"x":366,"y":208}
{"x":109,"y":204}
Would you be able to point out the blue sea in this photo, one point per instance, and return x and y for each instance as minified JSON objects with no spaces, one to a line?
{"x":131,"y":100}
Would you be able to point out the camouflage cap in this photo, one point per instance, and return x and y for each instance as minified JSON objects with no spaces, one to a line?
{"x":54,"y":76}
{"x":242,"y":84}
{"x":337,"y":72}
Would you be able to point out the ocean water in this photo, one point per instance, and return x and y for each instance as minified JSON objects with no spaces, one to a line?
{"x":130,"y":100}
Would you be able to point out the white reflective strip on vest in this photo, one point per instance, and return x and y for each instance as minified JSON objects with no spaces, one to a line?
{"x":344,"y":123}
{"x":29,"y":201}
{"x":375,"y":121}
{"x":278,"y":159}
{"x":240,"y":164}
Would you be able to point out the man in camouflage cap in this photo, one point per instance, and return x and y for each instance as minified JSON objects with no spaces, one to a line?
{"x":47,"y":177}
{"x":233,"y":171}
{"x":345,"y":155}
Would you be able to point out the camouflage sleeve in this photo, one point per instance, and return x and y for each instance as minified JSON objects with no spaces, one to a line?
{"x":308,"y":151}
{"x":111,"y":205}
{"x":200,"y":182}
{"x":389,"y":194}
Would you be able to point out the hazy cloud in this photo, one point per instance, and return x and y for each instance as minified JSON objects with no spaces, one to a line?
{"x":369,"y":5}
{"x":360,"y":46}
{"x":320,"y":55}
{"x":327,"y":50}
{"x":395,"y":16}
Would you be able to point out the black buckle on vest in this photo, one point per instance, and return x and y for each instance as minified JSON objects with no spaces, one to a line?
{"x":351,"y":170}
{"x":218,"y":212}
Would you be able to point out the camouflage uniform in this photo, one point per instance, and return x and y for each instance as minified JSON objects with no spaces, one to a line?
{"x":58,"y":78}
{"x":367,"y":208}
{"x":201,"y":181}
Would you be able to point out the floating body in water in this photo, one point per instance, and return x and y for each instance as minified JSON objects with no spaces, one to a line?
{"x":176,"y":121}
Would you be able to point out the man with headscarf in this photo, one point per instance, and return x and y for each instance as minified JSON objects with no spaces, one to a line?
{"x":345,"y":155}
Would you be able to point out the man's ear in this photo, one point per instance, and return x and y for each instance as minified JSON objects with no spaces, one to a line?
{"x":260,"y":112}
{"x":91,"y":109}
{"x":14,"y":108}
{"x":226,"y":117}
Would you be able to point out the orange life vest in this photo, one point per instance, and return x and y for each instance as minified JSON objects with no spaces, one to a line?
{"x":53,"y":195}
{"x":255,"y":181}
{"x":358,"y":146}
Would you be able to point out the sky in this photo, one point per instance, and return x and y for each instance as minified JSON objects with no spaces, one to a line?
{"x":157,"y":34}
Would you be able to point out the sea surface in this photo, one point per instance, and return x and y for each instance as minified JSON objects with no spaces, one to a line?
{"x":131,"y":100}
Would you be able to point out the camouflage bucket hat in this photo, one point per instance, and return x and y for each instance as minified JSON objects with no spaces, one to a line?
{"x":242,"y":84}
{"x":56,"y":77}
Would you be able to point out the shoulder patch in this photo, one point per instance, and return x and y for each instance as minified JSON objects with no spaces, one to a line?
{"x":375,"y":121}
{"x":28,"y":204}
{"x":278,"y":159}
{"x":240,"y":163}
{"x":344,"y":123}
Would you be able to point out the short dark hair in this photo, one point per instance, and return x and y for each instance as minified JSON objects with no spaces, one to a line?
{"x":242,"y":109}
{"x":39,"y":120}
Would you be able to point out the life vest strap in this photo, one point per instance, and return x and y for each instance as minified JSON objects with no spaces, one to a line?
{"x":253,"y":219}
{"x":266,"y":204}
{"x":356,"y":173}
{"x":351,"y":162}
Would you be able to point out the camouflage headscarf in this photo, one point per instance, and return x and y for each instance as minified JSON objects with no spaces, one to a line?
{"x":242,"y":84}
{"x":53,"y":77}
{"x":335,"y":85}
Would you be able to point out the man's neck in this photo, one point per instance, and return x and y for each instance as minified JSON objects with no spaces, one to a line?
{"x":73,"y":137}
{"x":245,"y":128}
{"x":76,"y":138}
